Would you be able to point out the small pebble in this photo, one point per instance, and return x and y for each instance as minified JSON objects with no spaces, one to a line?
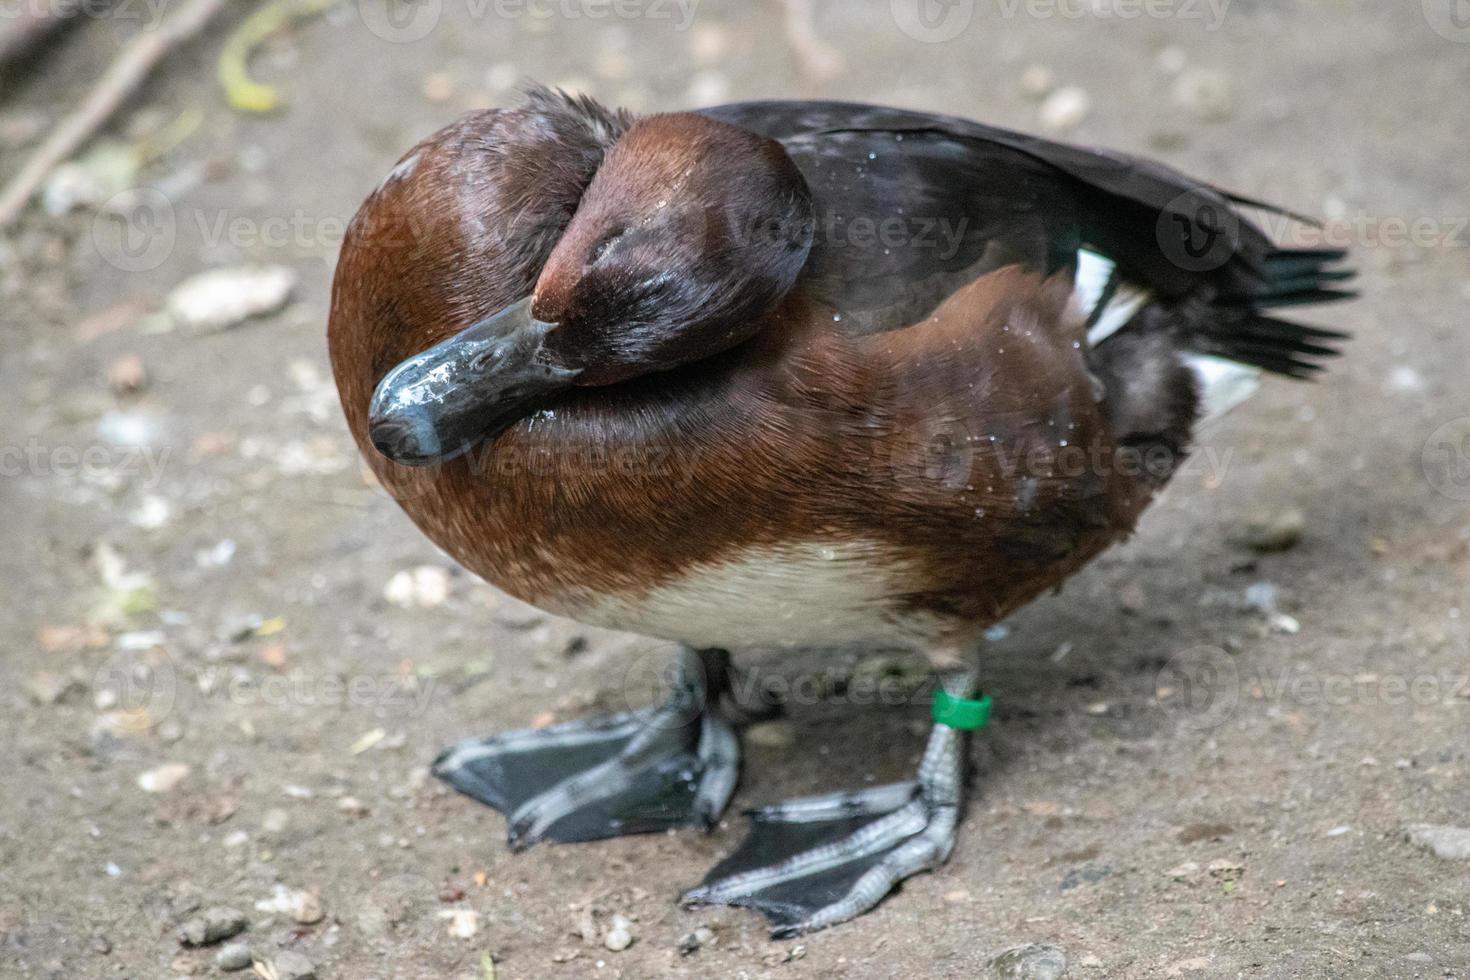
{"x":1406,"y":380}
{"x":289,"y":965}
{"x":1262,"y":597}
{"x":47,"y":687}
{"x":232,"y":957}
{"x":1037,"y":81}
{"x":691,"y":942}
{"x":222,"y":298}
{"x":211,"y":926}
{"x":301,"y":905}
{"x":1131,"y":598}
{"x":1225,"y":868}
{"x":424,"y":587}
{"x":1065,"y":109}
{"x":1033,"y":961}
{"x":127,"y":375}
{"x":438,"y":87}
{"x":1206,"y":93}
{"x":1449,"y":843}
{"x":619,"y":935}
{"x":217,"y":556}
{"x":1279,"y":531}
{"x":501,"y":77}
{"x":1282,"y":623}
{"x":152,"y":513}
{"x":164,"y":778}
{"x":771,"y":735}
{"x":709,"y":43}
{"x":708,"y":88}
{"x":1171,"y":60}
{"x":463,"y":923}
{"x":352,"y":806}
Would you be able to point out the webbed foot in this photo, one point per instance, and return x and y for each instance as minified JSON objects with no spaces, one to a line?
{"x":815,"y":862}
{"x":634,"y":772}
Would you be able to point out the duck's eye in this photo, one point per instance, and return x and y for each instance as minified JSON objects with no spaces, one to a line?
{"x":603,"y":244}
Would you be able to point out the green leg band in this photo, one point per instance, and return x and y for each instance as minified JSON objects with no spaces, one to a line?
{"x":965,"y":714}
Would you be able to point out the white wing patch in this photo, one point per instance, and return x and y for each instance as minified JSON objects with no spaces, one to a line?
{"x":1093,"y":273}
{"x":1093,"y":285}
{"x":1127,"y":300}
{"x":1223,"y":383}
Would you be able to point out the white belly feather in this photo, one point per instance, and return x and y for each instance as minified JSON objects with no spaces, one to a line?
{"x":799,"y":595}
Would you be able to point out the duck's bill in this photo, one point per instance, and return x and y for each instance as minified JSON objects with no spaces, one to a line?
{"x":440,"y":404}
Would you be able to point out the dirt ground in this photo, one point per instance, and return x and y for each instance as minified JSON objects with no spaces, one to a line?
{"x":1204,"y":760}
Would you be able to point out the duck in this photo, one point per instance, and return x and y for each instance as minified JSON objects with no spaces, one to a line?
{"x":780,"y":375}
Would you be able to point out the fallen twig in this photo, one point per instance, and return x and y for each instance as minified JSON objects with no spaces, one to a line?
{"x":120,"y":80}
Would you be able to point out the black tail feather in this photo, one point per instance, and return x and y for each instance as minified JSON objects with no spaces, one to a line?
{"x":1266,"y":342}
{"x":1235,"y":326}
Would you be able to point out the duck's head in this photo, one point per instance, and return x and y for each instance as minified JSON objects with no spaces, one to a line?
{"x":686,"y":237}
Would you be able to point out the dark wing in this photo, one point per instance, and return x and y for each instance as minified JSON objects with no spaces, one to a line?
{"x":911,"y":205}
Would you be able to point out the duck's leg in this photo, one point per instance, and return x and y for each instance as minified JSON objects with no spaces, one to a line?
{"x":812,"y":863}
{"x":634,"y":772}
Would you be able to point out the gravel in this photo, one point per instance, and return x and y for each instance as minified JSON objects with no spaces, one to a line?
{"x":619,"y":935}
{"x":232,"y":957}
{"x":287,"y":965}
{"x":1033,"y":961}
{"x":1277,"y":531}
{"x":212,"y":925}
{"x":1064,"y":109}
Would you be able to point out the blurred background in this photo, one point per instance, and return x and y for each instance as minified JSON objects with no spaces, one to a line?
{"x":1233,"y":747}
